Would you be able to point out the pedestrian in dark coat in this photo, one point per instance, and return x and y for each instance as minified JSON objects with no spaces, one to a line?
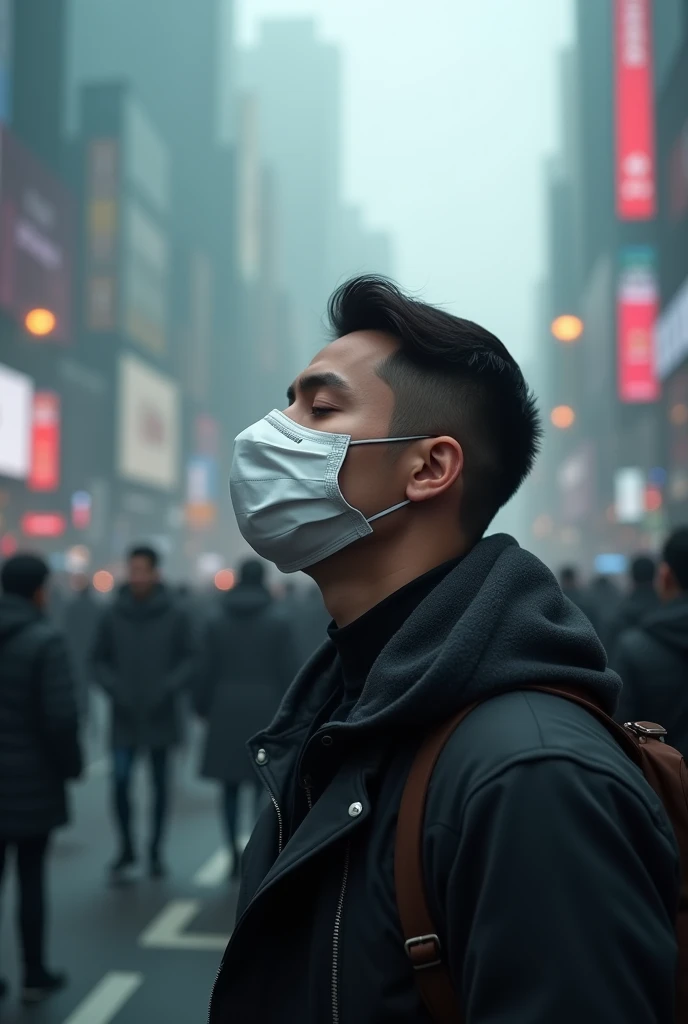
{"x":39,"y":751}
{"x":79,"y":622}
{"x":652,"y":658}
{"x":550,"y":865}
{"x":145,"y":658}
{"x":641,"y":600}
{"x":250,"y":658}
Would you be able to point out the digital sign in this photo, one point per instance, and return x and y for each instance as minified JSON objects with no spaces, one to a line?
{"x":635,"y":126}
{"x":45,"y":442}
{"x":637,"y":307}
{"x":16,"y":411}
{"x":36,"y":233}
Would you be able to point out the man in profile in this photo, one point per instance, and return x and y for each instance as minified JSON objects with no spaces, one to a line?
{"x":39,"y":753}
{"x":652,"y":658}
{"x":144,"y":658}
{"x":550,"y":865}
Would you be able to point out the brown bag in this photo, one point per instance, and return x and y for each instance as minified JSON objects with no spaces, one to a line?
{"x":664,"y":769}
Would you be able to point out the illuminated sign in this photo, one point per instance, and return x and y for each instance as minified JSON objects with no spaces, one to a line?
{"x":672,"y":333}
{"x":637,"y":306}
{"x":635,"y":147}
{"x":149,"y":425}
{"x":102,"y":235}
{"x":16,"y":410}
{"x":43,"y":524}
{"x":45,"y":442}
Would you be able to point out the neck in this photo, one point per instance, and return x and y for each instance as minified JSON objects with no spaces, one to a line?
{"x":356,"y":579}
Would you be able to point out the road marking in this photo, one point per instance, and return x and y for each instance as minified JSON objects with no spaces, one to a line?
{"x":105,"y":1001}
{"x":215,"y":871}
{"x":166,"y":931}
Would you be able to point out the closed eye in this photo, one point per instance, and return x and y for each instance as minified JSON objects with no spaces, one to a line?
{"x":320,"y":410}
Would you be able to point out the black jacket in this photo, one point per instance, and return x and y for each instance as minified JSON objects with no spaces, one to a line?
{"x":145,"y":657}
{"x":39,"y":747}
{"x":652,"y":661}
{"x":633,"y":608}
{"x":550,"y":865}
{"x":249,"y":660}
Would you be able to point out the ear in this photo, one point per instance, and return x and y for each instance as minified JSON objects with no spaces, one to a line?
{"x":436,"y":465}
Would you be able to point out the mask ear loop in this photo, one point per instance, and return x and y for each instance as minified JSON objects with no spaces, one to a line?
{"x":391,"y":440}
{"x":394,"y":508}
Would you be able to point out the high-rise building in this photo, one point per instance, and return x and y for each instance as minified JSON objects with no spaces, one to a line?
{"x":296,"y":78}
{"x":168,"y":51}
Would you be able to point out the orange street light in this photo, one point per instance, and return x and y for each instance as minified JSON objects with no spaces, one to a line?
{"x":224,"y":579}
{"x":40,"y":322}
{"x":567,"y":328}
{"x":563,"y":417}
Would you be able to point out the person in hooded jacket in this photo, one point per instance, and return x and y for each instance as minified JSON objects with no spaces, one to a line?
{"x":652,"y":658}
{"x":39,"y":752}
{"x":641,"y":599}
{"x":550,"y":865}
{"x":249,"y":660}
{"x":145,"y":659}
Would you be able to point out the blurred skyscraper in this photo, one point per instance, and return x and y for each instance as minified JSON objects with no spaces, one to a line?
{"x":297,"y":79}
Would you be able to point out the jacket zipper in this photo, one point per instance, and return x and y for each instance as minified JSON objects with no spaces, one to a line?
{"x":280,"y":842}
{"x":336,"y":937}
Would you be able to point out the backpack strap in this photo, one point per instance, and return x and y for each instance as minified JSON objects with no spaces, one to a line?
{"x":422,"y":943}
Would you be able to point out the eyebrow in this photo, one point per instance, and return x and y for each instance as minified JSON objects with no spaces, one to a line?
{"x":311,"y":381}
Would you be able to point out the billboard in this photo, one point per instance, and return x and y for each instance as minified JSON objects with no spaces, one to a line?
{"x":201,"y":492}
{"x":45,"y":442}
{"x":637,"y":308}
{"x":102,"y":235}
{"x":149,"y":425}
{"x":145,"y":265}
{"x":635,"y":127}
{"x":16,"y":410}
{"x":672,"y":334}
{"x":36,"y":231}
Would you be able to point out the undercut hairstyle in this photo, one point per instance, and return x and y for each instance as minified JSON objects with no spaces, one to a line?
{"x":24,"y":575}
{"x":675,"y":555}
{"x":450,"y":376}
{"x":643,"y":570}
{"x":145,"y":551}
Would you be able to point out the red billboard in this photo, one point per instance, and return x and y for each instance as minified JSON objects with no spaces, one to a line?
{"x":635,"y":127}
{"x":637,"y":308}
{"x":43,"y":524}
{"x":45,"y":442}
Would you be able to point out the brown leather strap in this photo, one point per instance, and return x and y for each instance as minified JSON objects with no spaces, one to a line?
{"x":422,"y":942}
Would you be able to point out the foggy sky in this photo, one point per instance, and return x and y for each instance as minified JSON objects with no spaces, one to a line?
{"x":449,"y":109}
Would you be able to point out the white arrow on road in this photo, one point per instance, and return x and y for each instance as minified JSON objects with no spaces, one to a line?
{"x":167,"y":930}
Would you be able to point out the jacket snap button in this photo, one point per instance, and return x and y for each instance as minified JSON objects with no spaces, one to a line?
{"x":327,"y":741}
{"x":261,"y":757}
{"x":355,"y":809}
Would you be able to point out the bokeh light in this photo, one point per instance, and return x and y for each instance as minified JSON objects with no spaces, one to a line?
{"x":103,"y":581}
{"x":224,"y":579}
{"x":40,"y":322}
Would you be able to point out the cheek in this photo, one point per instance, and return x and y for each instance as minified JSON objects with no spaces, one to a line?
{"x":368,"y":480}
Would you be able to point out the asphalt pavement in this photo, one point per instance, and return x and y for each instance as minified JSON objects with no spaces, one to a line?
{"x":143,"y":952}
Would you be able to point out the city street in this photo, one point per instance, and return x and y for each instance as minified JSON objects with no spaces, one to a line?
{"x":147,"y":951}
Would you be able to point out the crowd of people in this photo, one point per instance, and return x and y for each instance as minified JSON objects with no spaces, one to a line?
{"x":157,"y":655}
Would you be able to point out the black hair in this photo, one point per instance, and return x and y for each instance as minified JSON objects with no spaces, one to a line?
{"x":24,"y":575}
{"x":252,"y":572}
{"x":675,"y":555}
{"x":643,"y":570}
{"x":450,"y":376}
{"x":145,"y":551}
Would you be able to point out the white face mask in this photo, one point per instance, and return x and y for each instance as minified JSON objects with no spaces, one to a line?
{"x":284,"y":484}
